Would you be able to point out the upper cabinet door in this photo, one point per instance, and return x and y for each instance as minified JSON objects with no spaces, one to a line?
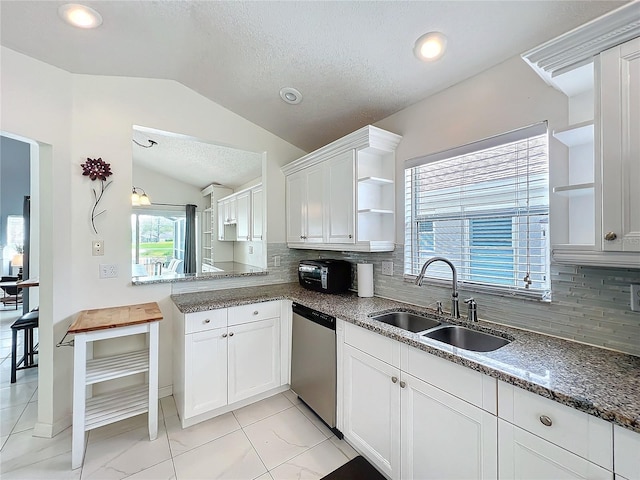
{"x":341,"y":198}
{"x":243,"y":216}
{"x":620,"y":110}
{"x":257,"y":213}
{"x":315,"y":179}
{"x":296,"y":207}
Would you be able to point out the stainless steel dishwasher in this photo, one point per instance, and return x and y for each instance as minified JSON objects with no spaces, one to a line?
{"x":313,"y":362}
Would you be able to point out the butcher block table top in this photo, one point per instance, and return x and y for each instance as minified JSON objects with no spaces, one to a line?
{"x":114,"y":317}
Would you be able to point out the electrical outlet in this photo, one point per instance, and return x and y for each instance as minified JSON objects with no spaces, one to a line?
{"x":250,"y":249}
{"x":635,"y":297}
{"x":276,"y":260}
{"x":108,"y":270}
{"x":97,"y":248}
{"x":387,"y":268}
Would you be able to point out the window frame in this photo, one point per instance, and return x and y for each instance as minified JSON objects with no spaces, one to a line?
{"x":412,"y":222}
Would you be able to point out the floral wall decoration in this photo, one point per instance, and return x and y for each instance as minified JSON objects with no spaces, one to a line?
{"x":97,"y":169}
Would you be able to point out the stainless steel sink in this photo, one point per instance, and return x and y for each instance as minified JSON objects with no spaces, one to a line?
{"x":467,"y":339}
{"x":407,"y":321}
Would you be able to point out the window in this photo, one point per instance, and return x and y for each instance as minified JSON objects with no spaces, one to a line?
{"x":157,"y":238}
{"x":15,"y":232}
{"x":485,"y":207}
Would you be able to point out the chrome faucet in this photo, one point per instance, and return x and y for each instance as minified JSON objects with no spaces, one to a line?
{"x":455,"y":309}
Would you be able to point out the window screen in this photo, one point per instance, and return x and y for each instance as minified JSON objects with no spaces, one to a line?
{"x":485,"y":207}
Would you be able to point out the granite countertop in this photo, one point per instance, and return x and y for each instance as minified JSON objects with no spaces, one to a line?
{"x":222,"y":270}
{"x":597,"y":381}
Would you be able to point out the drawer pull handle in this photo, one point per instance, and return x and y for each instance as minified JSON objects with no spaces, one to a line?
{"x":207,"y":320}
{"x":546,"y":421}
{"x":224,"y":335}
{"x":610,"y":236}
{"x":402,"y":384}
{"x":394,"y":379}
{"x":255,"y":312}
{"x":231,"y":334}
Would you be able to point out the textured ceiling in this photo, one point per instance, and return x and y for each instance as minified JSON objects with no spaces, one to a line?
{"x":195,"y":162}
{"x":352,"y":60}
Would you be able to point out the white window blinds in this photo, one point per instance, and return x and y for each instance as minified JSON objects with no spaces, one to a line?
{"x":485,"y":207}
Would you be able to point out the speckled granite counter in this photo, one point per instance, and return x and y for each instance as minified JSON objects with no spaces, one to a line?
{"x":594,"y":380}
{"x":222,"y":270}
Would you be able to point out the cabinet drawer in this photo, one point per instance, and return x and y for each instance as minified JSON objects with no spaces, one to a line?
{"x":627,"y":453}
{"x":379,"y":346}
{"x":578,"y":432}
{"x":254,"y":312}
{"x":474,"y":387}
{"x":208,"y":320}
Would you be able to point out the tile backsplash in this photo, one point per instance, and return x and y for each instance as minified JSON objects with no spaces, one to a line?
{"x":590,"y":304}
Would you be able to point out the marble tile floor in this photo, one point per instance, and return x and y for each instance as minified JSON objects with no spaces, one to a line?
{"x":275,"y":439}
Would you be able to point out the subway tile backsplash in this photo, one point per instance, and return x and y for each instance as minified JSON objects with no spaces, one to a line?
{"x":589,"y":305}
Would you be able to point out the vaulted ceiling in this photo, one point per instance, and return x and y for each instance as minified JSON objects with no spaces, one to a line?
{"x":352,"y":61}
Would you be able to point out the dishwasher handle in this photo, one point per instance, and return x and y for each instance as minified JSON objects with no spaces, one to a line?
{"x":320,"y":318}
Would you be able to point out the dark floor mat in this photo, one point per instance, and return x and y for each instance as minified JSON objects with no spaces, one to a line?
{"x":356,"y":469}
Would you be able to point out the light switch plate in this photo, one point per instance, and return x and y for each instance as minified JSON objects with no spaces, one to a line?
{"x":635,"y":297}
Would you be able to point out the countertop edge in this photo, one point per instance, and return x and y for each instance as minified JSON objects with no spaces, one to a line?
{"x":448,"y":353}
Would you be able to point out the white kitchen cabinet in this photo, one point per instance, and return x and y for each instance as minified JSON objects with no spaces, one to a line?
{"x":205,"y":357}
{"x":543,"y":439}
{"x":225,"y":357}
{"x":444,"y":437}
{"x":243,"y":216}
{"x":254,"y":358}
{"x":525,"y":456}
{"x":343,"y":194}
{"x":372,"y":409}
{"x":306,"y":211}
{"x":340,"y":195}
{"x":593,"y":214}
{"x":257,"y":213}
{"x":626,"y":453}
{"x":409,"y":428}
{"x":620,"y":124}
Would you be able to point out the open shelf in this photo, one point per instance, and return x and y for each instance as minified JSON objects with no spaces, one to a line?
{"x":575,"y":190}
{"x":375,"y":210}
{"x":117,"y":405}
{"x":375,"y":181}
{"x":573,"y":135}
{"x":117,"y":366}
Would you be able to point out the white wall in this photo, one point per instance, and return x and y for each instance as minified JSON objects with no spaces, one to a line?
{"x":163,"y":189}
{"x":78,"y":116}
{"x":506,"y":97}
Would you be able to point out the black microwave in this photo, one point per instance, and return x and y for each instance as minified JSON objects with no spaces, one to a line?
{"x":328,"y":276}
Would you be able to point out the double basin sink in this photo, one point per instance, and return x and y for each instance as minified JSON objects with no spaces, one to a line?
{"x":454,"y":335}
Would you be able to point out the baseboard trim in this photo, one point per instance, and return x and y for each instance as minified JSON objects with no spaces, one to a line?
{"x":50,"y":430}
{"x":165,"y":391}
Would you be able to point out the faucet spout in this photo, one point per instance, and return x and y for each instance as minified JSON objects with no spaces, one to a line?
{"x":455,"y":309}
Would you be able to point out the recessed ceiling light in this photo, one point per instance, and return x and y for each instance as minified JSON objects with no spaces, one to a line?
{"x":430,"y":46}
{"x":80,"y":15}
{"x":291,"y":95}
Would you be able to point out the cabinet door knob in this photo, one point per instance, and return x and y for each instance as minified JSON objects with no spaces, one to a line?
{"x":255,"y":312}
{"x":208,"y":320}
{"x":224,"y":335}
{"x":610,"y":236}
{"x":231,"y":334}
{"x":394,"y":379}
{"x":350,"y":236}
{"x":403,"y":384}
{"x":546,"y":421}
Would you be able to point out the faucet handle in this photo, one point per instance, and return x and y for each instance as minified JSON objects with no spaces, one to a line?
{"x":472,"y":315}
{"x":439,"y":307}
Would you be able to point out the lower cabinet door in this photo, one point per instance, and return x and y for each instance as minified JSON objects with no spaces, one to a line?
{"x":523,"y":455}
{"x":444,"y":437}
{"x":205,"y":371}
{"x":254,"y":358}
{"x":371,"y":392}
